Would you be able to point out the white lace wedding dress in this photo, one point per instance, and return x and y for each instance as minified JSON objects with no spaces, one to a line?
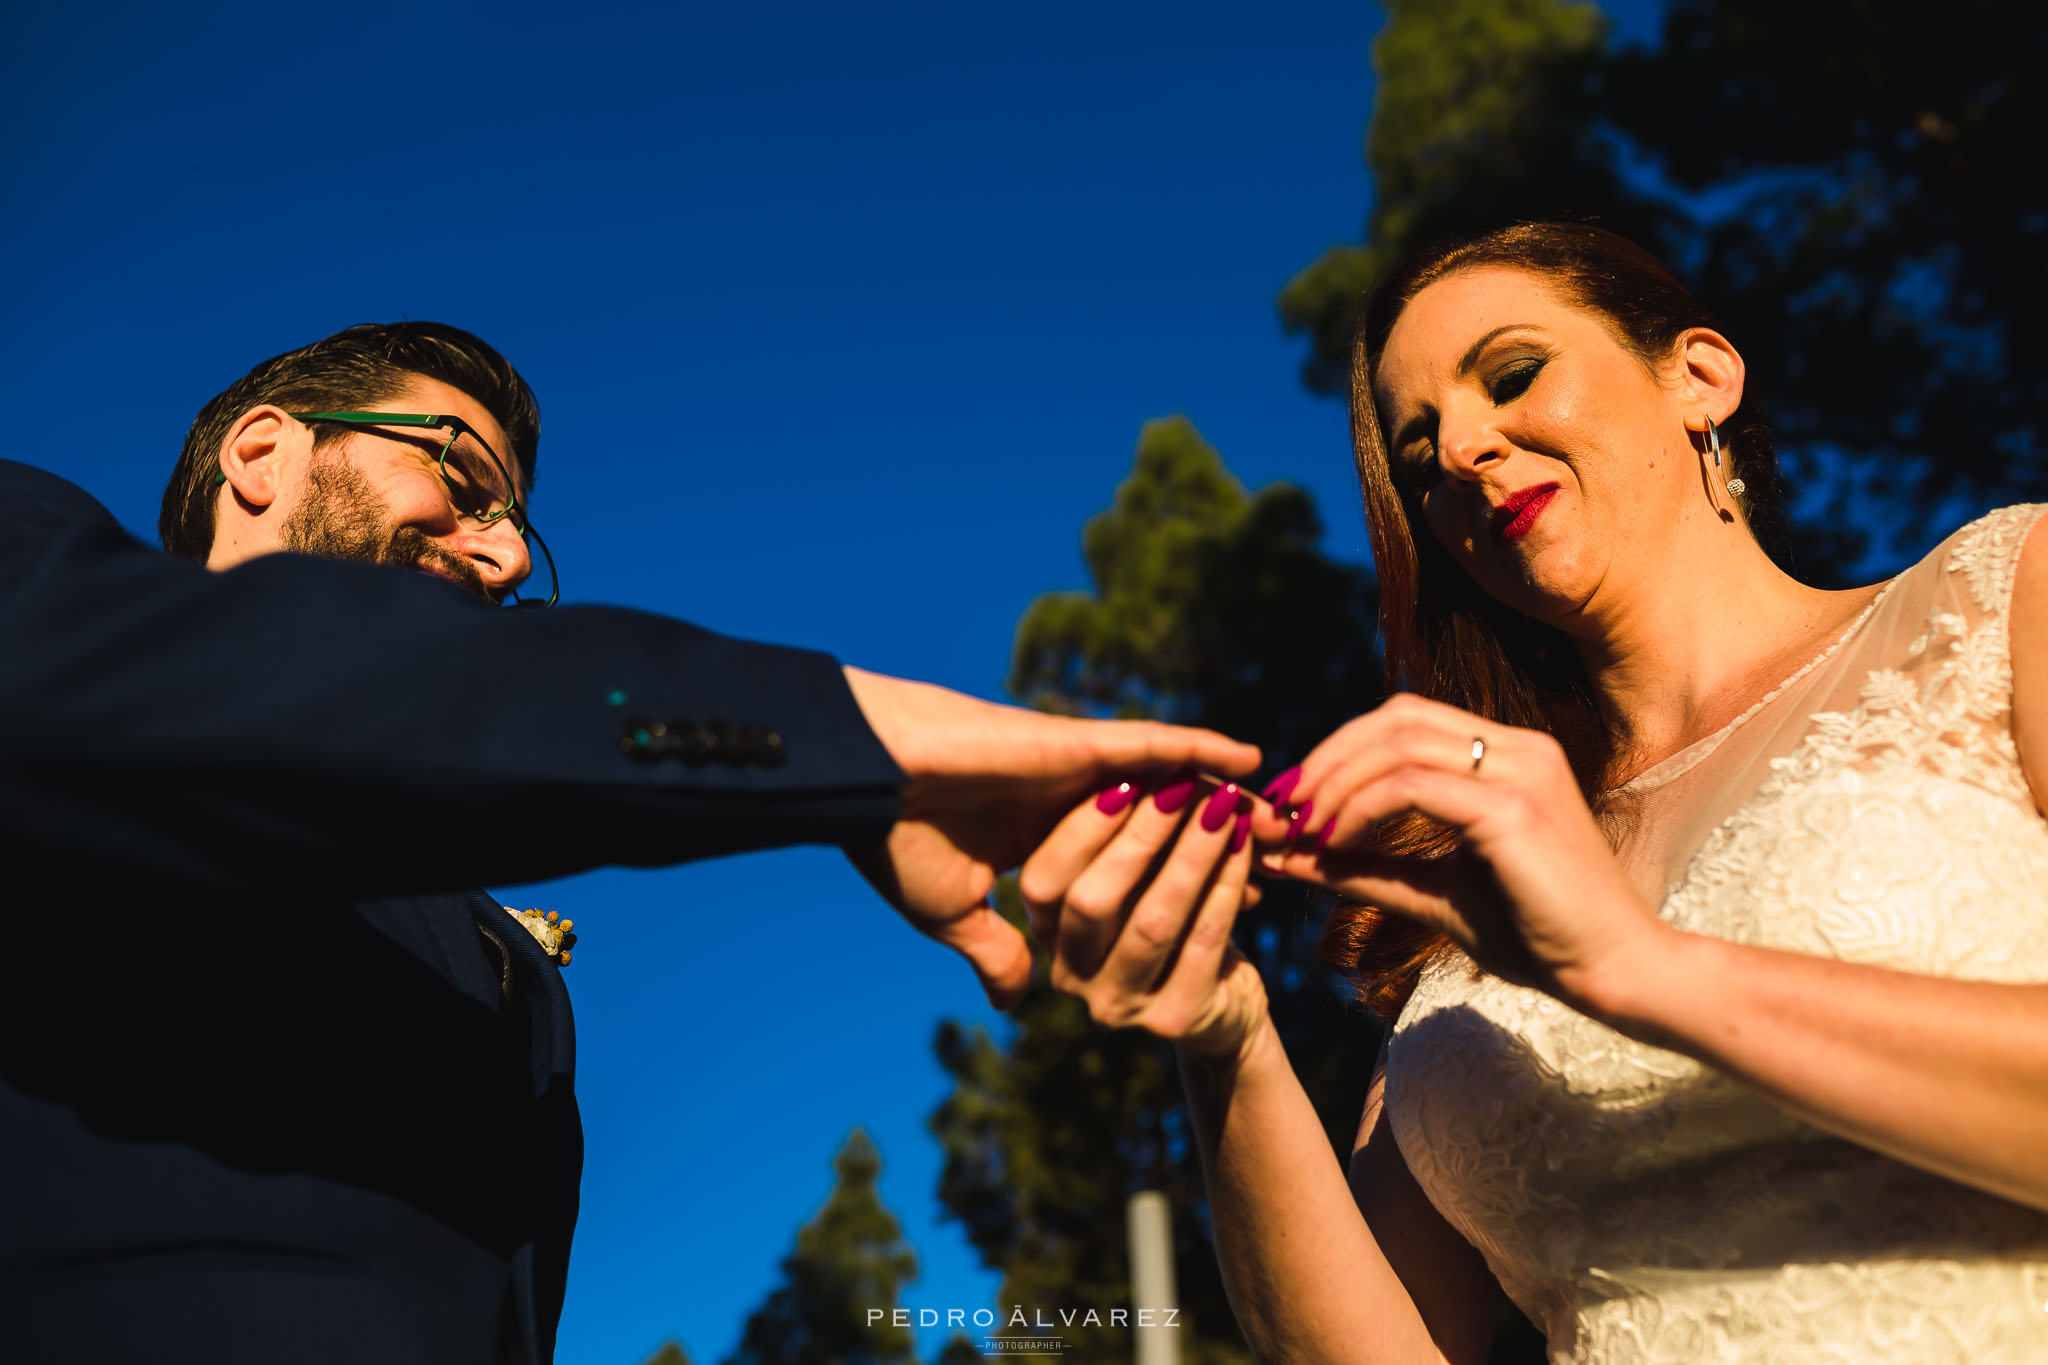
{"x":1641,"y":1207}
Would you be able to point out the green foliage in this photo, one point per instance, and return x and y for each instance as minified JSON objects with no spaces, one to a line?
{"x":1483,"y":114}
{"x":850,"y":1259}
{"x":1212,"y":606}
{"x":1839,"y":183}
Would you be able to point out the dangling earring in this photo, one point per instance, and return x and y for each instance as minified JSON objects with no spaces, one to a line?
{"x":1735,"y":486}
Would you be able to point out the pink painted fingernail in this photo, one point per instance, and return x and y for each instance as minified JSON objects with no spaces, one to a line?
{"x":1242,"y":831}
{"x":1173,"y":795}
{"x":1322,"y":840}
{"x":1297,"y":820}
{"x":1222,"y":805}
{"x":1276,"y":790}
{"x":1116,"y":798}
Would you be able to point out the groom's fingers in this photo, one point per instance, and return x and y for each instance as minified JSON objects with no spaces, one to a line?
{"x":995,"y":949}
{"x":1150,"y":746}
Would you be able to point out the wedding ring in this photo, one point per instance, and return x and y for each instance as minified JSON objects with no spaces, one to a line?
{"x":1478,"y":753}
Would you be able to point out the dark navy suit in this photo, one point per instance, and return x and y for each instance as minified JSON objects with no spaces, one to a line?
{"x":275,"y":1085}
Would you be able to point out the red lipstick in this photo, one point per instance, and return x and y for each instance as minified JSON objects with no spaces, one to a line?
{"x":1518,"y":511}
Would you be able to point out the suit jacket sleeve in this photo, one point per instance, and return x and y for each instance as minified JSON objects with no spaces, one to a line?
{"x":293,"y":718}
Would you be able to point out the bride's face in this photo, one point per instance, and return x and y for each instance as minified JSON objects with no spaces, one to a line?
{"x":1545,"y":457}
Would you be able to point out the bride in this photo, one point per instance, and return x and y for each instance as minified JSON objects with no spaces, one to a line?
{"x":1710,"y":909}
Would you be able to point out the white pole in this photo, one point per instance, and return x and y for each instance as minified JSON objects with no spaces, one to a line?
{"x":1153,"y":1300}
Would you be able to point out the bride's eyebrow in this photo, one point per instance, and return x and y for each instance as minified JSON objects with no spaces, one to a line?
{"x":1473,"y":352}
{"x":1414,"y":427}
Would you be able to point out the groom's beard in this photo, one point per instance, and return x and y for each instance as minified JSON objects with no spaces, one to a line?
{"x":341,"y":517}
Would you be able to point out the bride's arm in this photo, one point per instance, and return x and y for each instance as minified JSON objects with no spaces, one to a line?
{"x":1143,"y":937}
{"x":1950,"y":1075}
{"x":1314,"y":1273}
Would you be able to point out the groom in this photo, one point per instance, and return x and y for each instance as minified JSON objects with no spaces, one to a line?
{"x":279,"y":1086}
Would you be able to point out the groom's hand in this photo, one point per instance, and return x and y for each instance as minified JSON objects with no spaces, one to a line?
{"x":987,"y":785}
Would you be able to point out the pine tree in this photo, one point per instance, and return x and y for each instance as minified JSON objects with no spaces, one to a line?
{"x":850,"y":1261}
{"x":1483,"y":113}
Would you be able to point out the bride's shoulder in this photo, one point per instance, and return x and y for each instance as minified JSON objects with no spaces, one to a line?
{"x":1983,"y":557}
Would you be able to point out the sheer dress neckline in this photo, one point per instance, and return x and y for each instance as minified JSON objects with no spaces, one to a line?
{"x":1677,"y":765}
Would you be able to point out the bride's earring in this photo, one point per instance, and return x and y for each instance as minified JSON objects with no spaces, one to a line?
{"x":1735,"y":486}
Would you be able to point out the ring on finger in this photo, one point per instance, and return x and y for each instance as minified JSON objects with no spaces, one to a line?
{"x":1478,"y":754}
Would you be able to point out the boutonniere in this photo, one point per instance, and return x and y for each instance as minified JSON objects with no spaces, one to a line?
{"x":549,"y":930}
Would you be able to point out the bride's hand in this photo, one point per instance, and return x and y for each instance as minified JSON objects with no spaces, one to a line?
{"x":1136,"y":905}
{"x":1533,"y":892}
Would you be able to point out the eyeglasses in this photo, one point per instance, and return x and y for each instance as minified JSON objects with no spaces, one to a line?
{"x":480,"y":488}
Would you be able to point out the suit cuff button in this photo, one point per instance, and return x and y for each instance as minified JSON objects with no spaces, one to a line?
{"x":643,"y":739}
{"x":694,"y":744}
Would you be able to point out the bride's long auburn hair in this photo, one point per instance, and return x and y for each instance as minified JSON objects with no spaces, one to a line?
{"x":1444,"y":637}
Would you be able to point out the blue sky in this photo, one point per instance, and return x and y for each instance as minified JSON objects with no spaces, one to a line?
{"x":843,"y":318}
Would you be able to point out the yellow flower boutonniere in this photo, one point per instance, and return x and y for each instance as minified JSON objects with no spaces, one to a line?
{"x":549,"y":930}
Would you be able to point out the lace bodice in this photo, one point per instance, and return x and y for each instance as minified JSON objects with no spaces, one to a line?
{"x":1641,"y":1207}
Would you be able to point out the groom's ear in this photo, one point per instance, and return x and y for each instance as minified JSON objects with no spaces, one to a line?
{"x":259,"y":454}
{"x":259,"y":474}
